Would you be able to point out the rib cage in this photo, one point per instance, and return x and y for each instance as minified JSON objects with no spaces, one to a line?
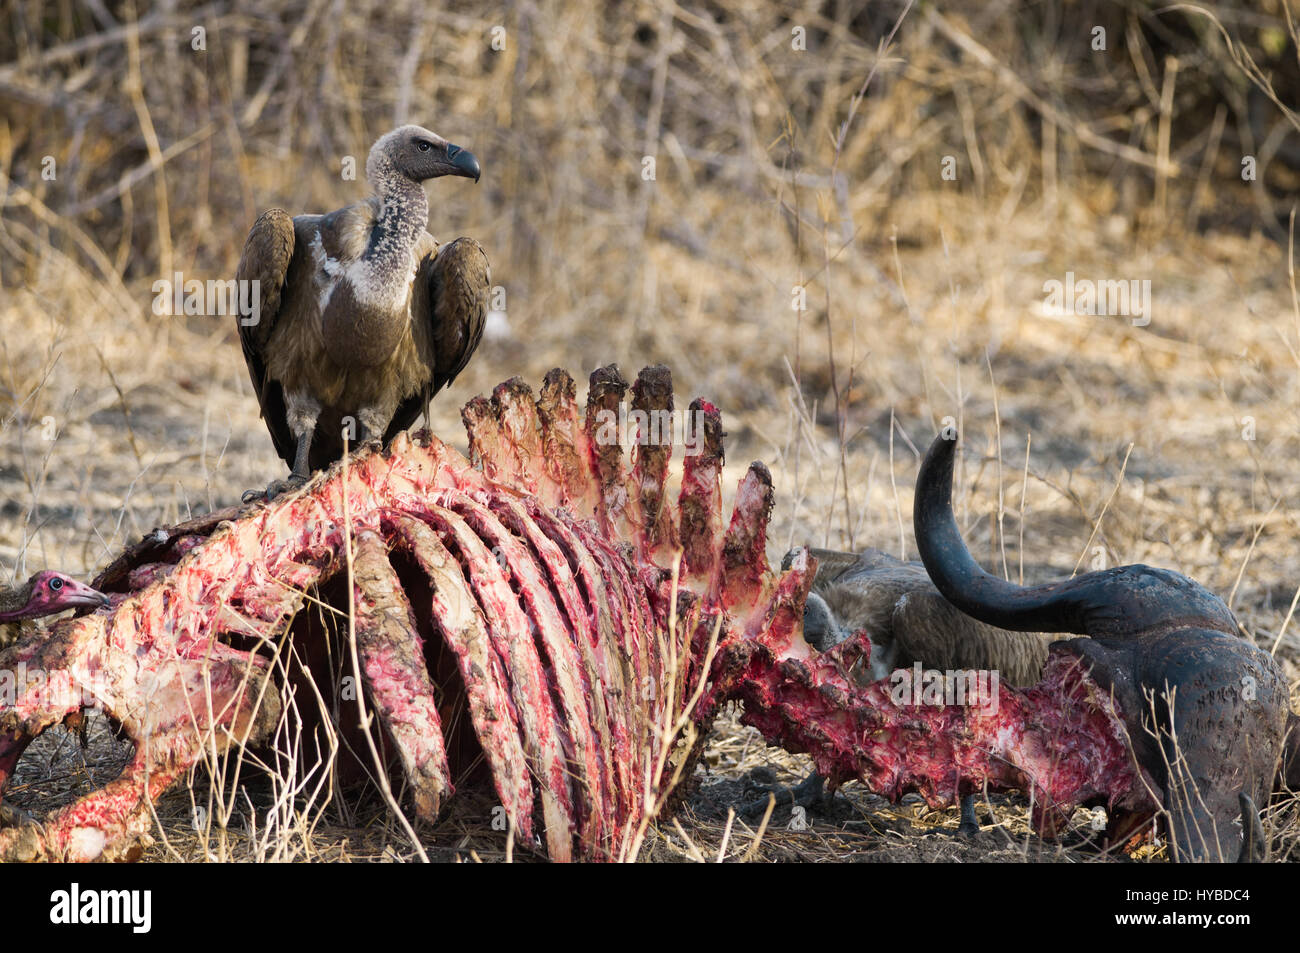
{"x":550,"y":587}
{"x":583,"y":642}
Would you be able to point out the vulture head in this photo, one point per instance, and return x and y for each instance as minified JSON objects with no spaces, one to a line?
{"x":49,"y":592}
{"x":418,"y":154}
{"x":821,"y":629}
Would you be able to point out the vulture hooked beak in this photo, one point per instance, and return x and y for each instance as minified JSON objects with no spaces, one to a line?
{"x":462,"y":162}
{"x":78,"y":595}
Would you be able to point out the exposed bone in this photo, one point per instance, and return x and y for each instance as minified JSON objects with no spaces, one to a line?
{"x":461,"y":623}
{"x":564,"y":447}
{"x":551,"y":574}
{"x":508,"y":627}
{"x":605,"y":394}
{"x":392,"y":663}
{"x":652,"y":396}
{"x":700,"y":504}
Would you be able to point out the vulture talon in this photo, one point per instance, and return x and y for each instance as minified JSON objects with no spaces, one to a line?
{"x":275,"y":488}
{"x":11,"y":816}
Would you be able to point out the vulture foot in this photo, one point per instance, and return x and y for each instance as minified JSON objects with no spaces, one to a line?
{"x":809,"y":794}
{"x":276,"y":488}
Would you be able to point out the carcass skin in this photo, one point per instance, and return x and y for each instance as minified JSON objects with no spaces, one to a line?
{"x":550,"y":575}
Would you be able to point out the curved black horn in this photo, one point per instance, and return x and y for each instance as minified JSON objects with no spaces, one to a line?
{"x":1119,"y":602}
{"x":954,"y":570}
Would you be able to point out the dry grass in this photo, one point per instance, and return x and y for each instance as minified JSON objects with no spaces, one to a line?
{"x":1089,"y":441}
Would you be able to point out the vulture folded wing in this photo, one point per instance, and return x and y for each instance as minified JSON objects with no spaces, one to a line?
{"x":833,"y":564}
{"x":448,"y":309}
{"x":268,"y":251}
{"x":930,"y":629}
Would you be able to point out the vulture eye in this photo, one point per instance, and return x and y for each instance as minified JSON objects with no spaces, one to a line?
{"x":424,"y":145}
{"x":56,"y":584}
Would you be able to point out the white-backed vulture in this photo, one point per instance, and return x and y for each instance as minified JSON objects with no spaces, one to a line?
{"x":363,"y":317}
{"x":909,"y":621}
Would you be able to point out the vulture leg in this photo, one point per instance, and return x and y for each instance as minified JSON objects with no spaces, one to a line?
{"x":302,"y":415}
{"x":970,"y":825}
{"x":373,"y":421}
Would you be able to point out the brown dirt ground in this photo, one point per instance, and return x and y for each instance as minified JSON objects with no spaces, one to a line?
{"x":1089,"y":442}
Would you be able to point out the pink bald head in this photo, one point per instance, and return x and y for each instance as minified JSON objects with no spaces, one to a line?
{"x":49,"y":592}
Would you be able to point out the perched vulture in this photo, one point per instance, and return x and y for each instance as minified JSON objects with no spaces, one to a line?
{"x":363,"y":317}
{"x":44,"y":594}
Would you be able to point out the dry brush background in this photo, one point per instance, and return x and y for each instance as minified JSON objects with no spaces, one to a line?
{"x":126,"y":154}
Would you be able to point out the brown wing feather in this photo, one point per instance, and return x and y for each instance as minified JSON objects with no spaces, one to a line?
{"x":929,"y":629}
{"x":267,"y":253}
{"x":834,"y":564}
{"x":450,"y":297}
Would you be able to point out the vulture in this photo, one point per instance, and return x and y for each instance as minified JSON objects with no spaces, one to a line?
{"x":44,"y":594}
{"x":362,"y":316}
{"x":908,"y":621}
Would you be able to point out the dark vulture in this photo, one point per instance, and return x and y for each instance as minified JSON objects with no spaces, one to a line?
{"x":363,"y":316}
{"x":908,"y":621}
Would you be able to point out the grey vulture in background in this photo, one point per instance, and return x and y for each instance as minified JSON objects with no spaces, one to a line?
{"x":908,"y":621}
{"x":363,"y":316}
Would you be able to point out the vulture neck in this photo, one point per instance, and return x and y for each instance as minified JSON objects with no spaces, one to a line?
{"x":13,"y":602}
{"x":363,"y":328}
{"x":403,"y":217}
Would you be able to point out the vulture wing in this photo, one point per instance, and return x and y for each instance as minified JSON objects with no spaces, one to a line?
{"x":931,"y":630}
{"x":833,"y":564}
{"x":267,"y":254}
{"x":448,"y":309}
